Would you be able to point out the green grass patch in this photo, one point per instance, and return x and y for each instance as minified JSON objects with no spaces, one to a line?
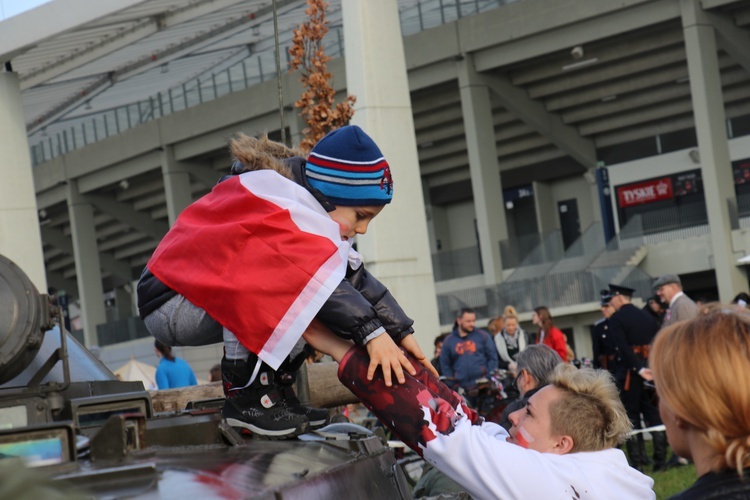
{"x":672,"y":481}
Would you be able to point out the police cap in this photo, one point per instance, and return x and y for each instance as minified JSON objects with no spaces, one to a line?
{"x":620,"y":290}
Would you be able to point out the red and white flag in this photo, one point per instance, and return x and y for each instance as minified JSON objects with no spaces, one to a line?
{"x":260,"y":255}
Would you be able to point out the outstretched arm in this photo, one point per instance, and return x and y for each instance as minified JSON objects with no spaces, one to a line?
{"x":322,"y":339}
{"x":410,"y":345}
{"x":381,"y":351}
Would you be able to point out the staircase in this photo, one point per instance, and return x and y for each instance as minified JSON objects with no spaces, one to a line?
{"x":548,"y":276}
{"x":585,"y":268}
{"x":622,"y":260}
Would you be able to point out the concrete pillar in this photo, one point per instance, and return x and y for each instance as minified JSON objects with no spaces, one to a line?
{"x":710,"y":126}
{"x":176,"y":184}
{"x":396,"y":248}
{"x":546,"y":218}
{"x":596,"y":207}
{"x":485,"y":172}
{"x":88,"y":268}
{"x":20,"y":239}
{"x":124,"y":302}
{"x":430,"y":216}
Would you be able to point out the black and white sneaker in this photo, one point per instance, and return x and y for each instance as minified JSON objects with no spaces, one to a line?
{"x":318,"y":417}
{"x":267,"y":419}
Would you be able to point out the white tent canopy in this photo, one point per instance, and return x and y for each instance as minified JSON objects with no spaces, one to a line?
{"x":135,"y":371}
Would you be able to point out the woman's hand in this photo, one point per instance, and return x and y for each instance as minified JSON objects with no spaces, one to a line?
{"x":383,"y":351}
{"x":410,"y":345}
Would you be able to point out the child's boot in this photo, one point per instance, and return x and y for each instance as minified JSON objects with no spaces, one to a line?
{"x":318,"y":417}
{"x":257,"y":406}
{"x":287,"y":376}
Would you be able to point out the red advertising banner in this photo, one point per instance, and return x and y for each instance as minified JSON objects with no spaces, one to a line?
{"x":645,"y":192}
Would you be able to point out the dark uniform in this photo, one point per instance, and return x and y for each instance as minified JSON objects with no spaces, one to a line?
{"x":633,"y":330}
{"x":604,"y":346}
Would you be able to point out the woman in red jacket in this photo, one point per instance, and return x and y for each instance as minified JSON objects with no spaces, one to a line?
{"x":549,"y":334}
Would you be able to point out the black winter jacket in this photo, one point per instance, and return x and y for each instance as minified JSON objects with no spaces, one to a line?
{"x":359,"y":306}
{"x":726,"y":485}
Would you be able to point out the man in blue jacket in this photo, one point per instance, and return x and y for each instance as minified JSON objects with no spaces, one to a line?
{"x":468,"y":353}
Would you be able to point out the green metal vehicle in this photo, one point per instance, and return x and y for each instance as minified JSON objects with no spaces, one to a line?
{"x":81,"y":432}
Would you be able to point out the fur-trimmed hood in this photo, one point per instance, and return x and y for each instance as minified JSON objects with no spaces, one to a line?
{"x":261,"y":153}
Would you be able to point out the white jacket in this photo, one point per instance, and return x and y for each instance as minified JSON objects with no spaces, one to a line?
{"x":478,"y":458}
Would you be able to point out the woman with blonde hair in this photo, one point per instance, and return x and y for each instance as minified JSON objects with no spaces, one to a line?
{"x":510,"y":311}
{"x":561,"y":445}
{"x":510,"y":340}
{"x":701,"y":369}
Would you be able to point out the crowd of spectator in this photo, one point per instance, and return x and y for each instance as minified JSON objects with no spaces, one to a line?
{"x":647,"y":354}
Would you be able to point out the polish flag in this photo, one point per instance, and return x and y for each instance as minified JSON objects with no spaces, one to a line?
{"x":260,"y":255}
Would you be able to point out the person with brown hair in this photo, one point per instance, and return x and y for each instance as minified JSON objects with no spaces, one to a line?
{"x":495,"y":325}
{"x":172,"y":371}
{"x":549,"y":334}
{"x":701,"y":369}
{"x":468,"y":353}
{"x":438,"y":342}
{"x":214,"y":374}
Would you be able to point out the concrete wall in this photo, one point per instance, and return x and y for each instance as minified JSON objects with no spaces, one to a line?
{"x":460,"y":218}
{"x":546,"y":216}
{"x":566,"y":189}
{"x":692,"y":255}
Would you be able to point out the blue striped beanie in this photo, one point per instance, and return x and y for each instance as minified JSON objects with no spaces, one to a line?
{"x":348,"y":168}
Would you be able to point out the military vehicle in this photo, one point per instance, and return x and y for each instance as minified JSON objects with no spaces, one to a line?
{"x":71,"y":420}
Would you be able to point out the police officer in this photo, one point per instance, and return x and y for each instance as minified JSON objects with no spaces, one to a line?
{"x":633,"y":330}
{"x":603,"y":343}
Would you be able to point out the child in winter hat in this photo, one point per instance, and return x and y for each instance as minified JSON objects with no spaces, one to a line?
{"x":348,"y":167}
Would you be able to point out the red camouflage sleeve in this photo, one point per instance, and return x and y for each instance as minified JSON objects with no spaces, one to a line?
{"x":415,"y":411}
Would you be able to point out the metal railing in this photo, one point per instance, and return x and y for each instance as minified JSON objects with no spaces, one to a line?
{"x":428,"y":14}
{"x":254,"y":69}
{"x":549,"y":249}
{"x":513,"y":251}
{"x":458,"y":263}
{"x":676,"y":223}
{"x":553,"y":290}
{"x":590,"y":243}
{"x":62,"y":137}
{"x":669,"y":223}
{"x":739,"y":211}
{"x":548,"y":276}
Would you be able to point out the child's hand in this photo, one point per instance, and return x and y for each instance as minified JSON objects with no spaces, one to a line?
{"x":409,"y":343}
{"x":322,"y":339}
{"x":383,"y":351}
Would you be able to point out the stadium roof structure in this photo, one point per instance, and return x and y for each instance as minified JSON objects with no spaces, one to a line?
{"x":570,"y":83}
{"x":84,"y":57}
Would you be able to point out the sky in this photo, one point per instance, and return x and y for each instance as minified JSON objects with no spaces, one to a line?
{"x":10,"y":8}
